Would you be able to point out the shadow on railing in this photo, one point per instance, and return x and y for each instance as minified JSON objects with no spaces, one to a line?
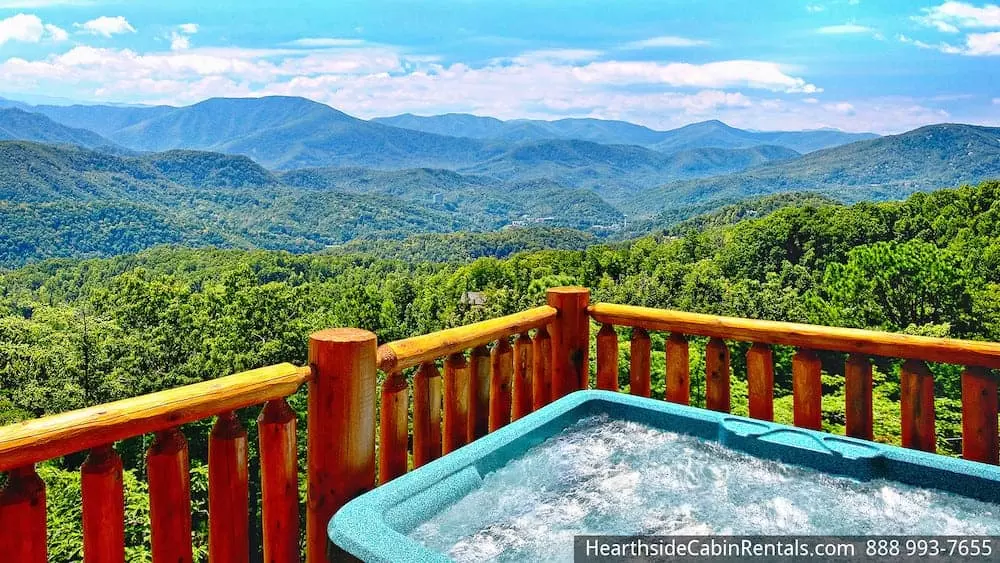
{"x":549,"y":358}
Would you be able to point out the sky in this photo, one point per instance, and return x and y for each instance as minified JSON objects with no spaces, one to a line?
{"x":885,"y":66}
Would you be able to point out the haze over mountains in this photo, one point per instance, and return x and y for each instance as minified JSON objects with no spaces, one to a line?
{"x":290,"y":173}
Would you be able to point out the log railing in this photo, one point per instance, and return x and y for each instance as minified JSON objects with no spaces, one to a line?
{"x":494,"y":371}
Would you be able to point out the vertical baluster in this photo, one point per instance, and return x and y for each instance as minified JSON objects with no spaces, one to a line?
{"x":717,"y":376}
{"x":607,"y":358}
{"x":523,"y":366}
{"x":541,"y":373}
{"x":169,"y":497}
{"x":501,"y":377}
{"x":341,"y":427}
{"x":456,"y":403}
{"x":103,"y":506}
{"x":760,"y":381}
{"x":858,"y":396}
{"x":393,"y":433}
{"x":426,"y":414}
{"x":916,"y":398}
{"x":22,"y":517}
{"x":979,"y":415}
{"x":807,"y":390}
{"x":279,"y":482}
{"x":639,"y":365}
{"x":228,"y":502}
{"x":570,"y":339}
{"x":479,"y":393}
{"x":678,"y":374}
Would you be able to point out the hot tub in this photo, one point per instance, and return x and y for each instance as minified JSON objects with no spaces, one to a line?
{"x":596,"y":462}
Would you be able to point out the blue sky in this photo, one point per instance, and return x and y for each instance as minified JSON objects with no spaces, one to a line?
{"x":878,"y":65}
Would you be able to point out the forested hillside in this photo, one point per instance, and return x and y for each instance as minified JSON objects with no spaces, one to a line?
{"x":76,"y":333}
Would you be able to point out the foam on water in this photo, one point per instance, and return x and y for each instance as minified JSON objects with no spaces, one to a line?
{"x":604,"y":476}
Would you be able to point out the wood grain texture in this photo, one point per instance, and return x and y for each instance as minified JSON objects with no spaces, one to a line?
{"x":717,"y":396}
{"x":426,"y":414}
{"x":807,"y":390}
{"x":640,"y":348}
{"x":479,"y":393}
{"x":979,"y":416}
{"x":341,"y":427}
{"x":850,"y":340}
{"x":22,"y":517}
{"x":678,"y":370}
{"x":541,"y":369}
{"x":916,"y":405}
{"x":169,"y":479}
{"x":607,"y":358}
{"x":501,"y":381}
{"x":228,"y":492}
{"x":859,"y":420}
{"x":521,"y":394}
{"x":103,"y":506}
{"x":279,"y":482}
{"x":570,"y":333}
{"x":57,"y":435}
{"x":409,"y":352}
{"x":393,"y":434}
{"x":760,"y":381}
{"x":456,"y":403}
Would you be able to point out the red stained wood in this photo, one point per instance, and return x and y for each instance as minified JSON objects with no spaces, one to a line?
{"x":103,"y":506}
{"x":521,"y":394}
{"x":607,"y":358}
{"x":426,"y":414}
{"x":717,"y":376}
{"x":979,"y":416}
{"x":541,"y":378}
{"x":393,"y":432}
{"x":760,"y":381}
{"x":456,"y":403}
{"x":279,"y":482}
{"x":678,"y":373}
{"x":22,"y":517}
{"x":916,"y":398}
{"x":228,"y":497}
{"x":501,"y":380}
{"x":570,"y":339}
{"x":479,"y":393}
{"x":639,"y":365}
{"x":807,"y":390}
{"x":169,"y":497}
{"x":858,"y":397}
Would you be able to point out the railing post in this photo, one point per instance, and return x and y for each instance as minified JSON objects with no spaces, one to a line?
{"x":341,"y":427}
{"x":570,"y":333}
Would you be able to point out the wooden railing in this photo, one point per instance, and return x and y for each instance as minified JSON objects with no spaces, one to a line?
{"x":536,"y":357}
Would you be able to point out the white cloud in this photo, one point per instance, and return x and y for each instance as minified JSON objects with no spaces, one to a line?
{"x":815,"y":8}
{"x":28,"y":28}
{"x":844,"y":29}
{"x":180,"y":38}
{"x":843,"y":108}
{"x":976,"y":44}
{"x":665,"y":41}
{"x":188,"y":28}
{"x":996,"y":101}
{"x":951,"y":16}
{"x":314,"y":42}
{"x":722,"y":74}
{"x":42,"y":3}
{"x":106,"y":26}
{"x":553,"y":56}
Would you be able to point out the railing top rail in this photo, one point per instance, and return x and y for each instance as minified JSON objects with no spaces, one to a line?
{"x":61,"y":434}
{"x":409,"y":352}
{"x":816,"y":337}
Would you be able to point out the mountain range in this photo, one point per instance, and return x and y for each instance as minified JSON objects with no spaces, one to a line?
{"x":290,"y":173}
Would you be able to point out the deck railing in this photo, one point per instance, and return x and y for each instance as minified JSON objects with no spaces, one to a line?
{"x":548,"y":358}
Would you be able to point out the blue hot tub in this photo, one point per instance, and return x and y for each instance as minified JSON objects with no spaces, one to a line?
{"x":597,"y":462}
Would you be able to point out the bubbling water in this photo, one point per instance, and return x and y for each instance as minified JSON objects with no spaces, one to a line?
{"x":611,"y":477}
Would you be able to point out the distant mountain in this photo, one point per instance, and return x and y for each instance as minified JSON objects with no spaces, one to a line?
{"x":17,"y":124}
{"x":706,"y":134}
{"x":102,"y":119}
{"x":889,"y":167}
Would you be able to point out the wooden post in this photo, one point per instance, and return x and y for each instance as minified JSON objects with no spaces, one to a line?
{"x":22,"y":517}
{"x":479,"y":393}
{"x":341,"y":428}
{"x":760,"y":381}
{"x":169,"y":478}
{"x":426,"y":414}
{"x":501,"y":378}
{"x":678,"y":370}
{"x":717,"y":376}
{"x":393,"y":432}
{"x":541,"y":369}
{"x":807,"y":390}
{"x":979,"y":415}
{"x":521,"y":394}
{"x":858,"y":397}
{"x":607,"y":358}
{"x":279,"y":482}
{"x":639,"y":365}
{"x":103,"y":506}
{"x":916,"y":402}
{"x":570,"y":339}
{"x":456,"y":403}
{"x":228,"y":497}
